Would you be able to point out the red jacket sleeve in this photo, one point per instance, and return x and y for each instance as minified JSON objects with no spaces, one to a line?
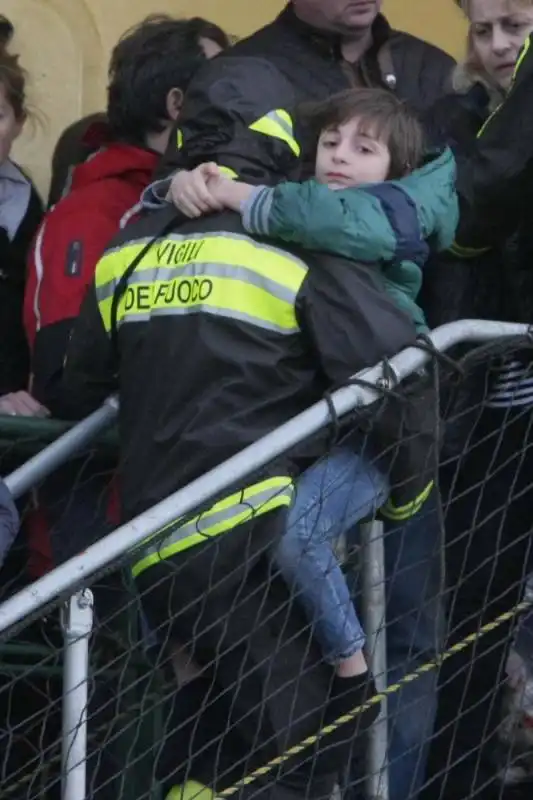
{"x":60,"y":269}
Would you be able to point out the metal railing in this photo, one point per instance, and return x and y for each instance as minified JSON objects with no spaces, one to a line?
{"x":73,"y":577}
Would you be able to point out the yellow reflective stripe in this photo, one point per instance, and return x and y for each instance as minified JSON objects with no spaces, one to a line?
{"x":487,"y":121}
{"x":191,"y":790}
{"x":265,"y":279}
{"x":521,"y":57}
{"x":115,"y":262}
{"x":401,"y":513}
{"x":467,"y":252}
{"x":234,"y":510}
{"x":166,"y":279}
{"x":228,"y":172}
{"x":228,"y":297}
{"x":179,"y":139}
{"x":277,"y":124}
{"x":215,"y":248}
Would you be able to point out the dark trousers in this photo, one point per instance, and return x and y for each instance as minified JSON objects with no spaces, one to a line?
{"x":489,"y":521}
{"x":264,"y":687}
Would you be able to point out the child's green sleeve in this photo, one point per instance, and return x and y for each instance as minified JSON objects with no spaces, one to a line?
{"x":349,"y":222}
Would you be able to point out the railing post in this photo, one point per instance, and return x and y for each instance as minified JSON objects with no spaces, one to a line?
{"x":374,"y":601}
{"x":77,"y":623}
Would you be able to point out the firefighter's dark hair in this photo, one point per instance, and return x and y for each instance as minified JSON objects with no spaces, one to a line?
{"x":152,"y":58}
{"x":380,"y":114}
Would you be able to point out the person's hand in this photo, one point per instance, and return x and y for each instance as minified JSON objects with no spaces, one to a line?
{"x":190,"y":191}
{"x":230,"y":194}
{"x":22,"y":404}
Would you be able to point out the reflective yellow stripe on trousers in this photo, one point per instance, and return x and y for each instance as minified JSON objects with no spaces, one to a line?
{"x":238,"y":508}
{"x":402,"y":513}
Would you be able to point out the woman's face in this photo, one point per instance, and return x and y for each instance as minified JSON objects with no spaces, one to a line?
{"x":10,"y":127}
{"x":498,"y":29}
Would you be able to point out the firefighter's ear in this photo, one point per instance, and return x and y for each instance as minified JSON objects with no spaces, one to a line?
{"x":174,"y":103}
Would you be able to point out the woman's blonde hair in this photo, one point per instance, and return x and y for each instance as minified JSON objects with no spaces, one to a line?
{"x":470,"y":70}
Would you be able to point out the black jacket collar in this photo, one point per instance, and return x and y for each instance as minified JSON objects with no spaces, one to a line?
{"x":328,"y":43}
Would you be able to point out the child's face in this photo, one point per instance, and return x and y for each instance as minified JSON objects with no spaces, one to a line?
{"x":348,"y":157}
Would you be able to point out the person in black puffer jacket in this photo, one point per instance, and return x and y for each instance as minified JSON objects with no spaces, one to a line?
{"x":486,"y":474}
{"x":20,"y":214}
{"x":325,"y":47}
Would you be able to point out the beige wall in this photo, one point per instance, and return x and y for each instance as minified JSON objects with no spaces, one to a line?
{"x":65,"y":46}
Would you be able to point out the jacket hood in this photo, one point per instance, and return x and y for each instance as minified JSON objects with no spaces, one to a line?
{"x":116,"y":161}
{"x":238,"y":112}
{"x":432,"y":190}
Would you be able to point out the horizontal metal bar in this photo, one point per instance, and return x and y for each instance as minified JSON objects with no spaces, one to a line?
{"x":44,"y":463}
{"x":35,"y":433}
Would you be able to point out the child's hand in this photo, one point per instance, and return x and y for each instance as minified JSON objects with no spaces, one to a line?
{"x":231,"y":194}
{"x":206,"y":189}
{"x":190,"y":193}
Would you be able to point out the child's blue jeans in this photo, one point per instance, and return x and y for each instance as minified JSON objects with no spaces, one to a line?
{"x":332,"y":496}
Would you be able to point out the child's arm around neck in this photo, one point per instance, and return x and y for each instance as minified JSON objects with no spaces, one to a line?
{"x":373,"y":223}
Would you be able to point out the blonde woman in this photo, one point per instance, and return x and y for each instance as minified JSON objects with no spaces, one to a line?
{"x":496,"y":32}
{"x":488,"y":521}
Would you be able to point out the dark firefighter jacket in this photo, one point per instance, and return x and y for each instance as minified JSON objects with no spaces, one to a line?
{"x":221,"y":339}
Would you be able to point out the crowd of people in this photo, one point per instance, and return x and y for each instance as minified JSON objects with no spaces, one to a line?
{"x":293,"y":208}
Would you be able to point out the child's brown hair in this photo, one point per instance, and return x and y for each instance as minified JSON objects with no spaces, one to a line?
{"x":381,"y":115}
{"x":13,"y":81}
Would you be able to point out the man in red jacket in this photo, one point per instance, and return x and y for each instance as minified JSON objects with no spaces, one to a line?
{"x":150,"y":70}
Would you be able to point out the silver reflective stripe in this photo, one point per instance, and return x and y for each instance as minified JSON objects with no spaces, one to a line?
{"x":106,"y":290}
{"x":275,"y":117}
{"x":200,"y":308}
{"x":201,"y":270}
{"x":205,"y":522}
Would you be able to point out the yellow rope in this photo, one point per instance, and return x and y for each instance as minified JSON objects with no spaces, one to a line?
{"x":395,"y":687}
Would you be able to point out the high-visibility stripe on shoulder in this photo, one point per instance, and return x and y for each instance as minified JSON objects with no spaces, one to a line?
{"x":219,"y":273}
{"x":278,"y":124}
{"x":238,"y":508}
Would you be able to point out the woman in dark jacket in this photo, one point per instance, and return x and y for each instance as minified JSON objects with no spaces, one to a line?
{"x":20,"y":215}
{"x":488,"y":461}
